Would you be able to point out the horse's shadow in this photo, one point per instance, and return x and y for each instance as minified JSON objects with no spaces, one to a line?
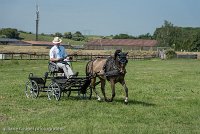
{"x":130,"y":102}
{"x":136,"y":102}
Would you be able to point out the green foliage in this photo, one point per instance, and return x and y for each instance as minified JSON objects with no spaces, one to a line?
{"x":9,"y":33}
{"x":178,"y":38}
{"x":170,"y":53}
{"x":26,"y":36}
{"x":145,"y":36}
{"x":122,"y":36}
{"x":2,"y":36}
{"x":57,"y":34}
{"x":67,"y":35}
{"x":126,"y":36}
{"x":77,"y":36}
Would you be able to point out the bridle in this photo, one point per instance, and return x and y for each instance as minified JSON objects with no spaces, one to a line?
{"x":122,"y":60}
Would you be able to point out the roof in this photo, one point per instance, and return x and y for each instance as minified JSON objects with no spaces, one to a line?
{"x":123,"y":42}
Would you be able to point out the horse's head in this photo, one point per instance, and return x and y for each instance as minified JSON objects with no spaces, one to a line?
{"x":122,"y":60}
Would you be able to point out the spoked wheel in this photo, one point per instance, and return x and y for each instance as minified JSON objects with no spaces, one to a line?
{"x":32,"y":89}
{"x":54,"y":91}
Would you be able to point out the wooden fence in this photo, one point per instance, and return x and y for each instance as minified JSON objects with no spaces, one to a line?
{"x":37,"y":56}
{"x":187,"y":56}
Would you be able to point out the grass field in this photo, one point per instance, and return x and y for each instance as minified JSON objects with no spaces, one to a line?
{"x":29,"y":37}
{"x":164,"y":97}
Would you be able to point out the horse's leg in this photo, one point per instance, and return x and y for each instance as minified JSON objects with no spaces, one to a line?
{"x":126,"y":91}
{"x":113,"y":89}
{"x":103,"y":83}
{"x":93,"y":84}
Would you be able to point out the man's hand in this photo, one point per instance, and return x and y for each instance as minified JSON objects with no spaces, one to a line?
{"x":60,"y":59}
{"x":56,"y":59}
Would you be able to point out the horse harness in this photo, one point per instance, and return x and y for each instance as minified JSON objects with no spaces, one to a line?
{"x":110,"y":68}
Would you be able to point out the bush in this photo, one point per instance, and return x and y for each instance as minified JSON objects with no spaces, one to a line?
{"x":10,"y":33}
{"x":170,"y":54}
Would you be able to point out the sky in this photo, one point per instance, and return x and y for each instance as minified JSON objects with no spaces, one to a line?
{"x":98,"y":17}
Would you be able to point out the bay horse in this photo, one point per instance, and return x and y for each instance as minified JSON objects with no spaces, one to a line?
{"x":111,"y":69}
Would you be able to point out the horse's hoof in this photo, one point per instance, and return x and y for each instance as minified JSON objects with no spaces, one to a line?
{"x":126,"y":102}
{"x":98,"y":98}
{"x":108,"y":100}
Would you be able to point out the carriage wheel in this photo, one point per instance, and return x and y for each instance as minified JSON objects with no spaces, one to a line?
{"x":54,"y":91}
{"x":32,"y":89}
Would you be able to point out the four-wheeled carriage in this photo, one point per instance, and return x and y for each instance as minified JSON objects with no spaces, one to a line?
{"x":58,"y":84}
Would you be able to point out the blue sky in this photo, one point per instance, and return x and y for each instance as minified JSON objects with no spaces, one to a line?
{"x":99,"y":17}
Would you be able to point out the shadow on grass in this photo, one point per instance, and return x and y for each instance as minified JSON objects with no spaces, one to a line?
{"x":130,"y":102}
{"x":136,"y":102}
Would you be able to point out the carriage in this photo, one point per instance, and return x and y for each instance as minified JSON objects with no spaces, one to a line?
{"x":55,"y":85}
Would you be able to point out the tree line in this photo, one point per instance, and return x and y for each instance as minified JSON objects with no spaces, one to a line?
{"x":178,"y":38}
{"x":14,"y":34}
{"x":168,"y":35}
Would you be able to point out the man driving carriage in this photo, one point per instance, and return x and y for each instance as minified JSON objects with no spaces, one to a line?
{"x":58,"y":56}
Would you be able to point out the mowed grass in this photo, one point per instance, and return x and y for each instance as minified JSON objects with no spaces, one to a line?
{"x":164,"y":97}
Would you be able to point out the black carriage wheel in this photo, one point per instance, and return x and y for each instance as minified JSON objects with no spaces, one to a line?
{"x":32,"y":89}
{"x":54,"y":91}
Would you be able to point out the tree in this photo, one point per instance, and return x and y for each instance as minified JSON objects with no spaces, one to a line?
{"x":9,"y":33}
{"x":178,"y":38}
{"x":57,"y":34}
{"x":123,"y":36}
{"x":145,"y":36}
{"x":77,"y":36}
{"x":67,"y":35}
{"x":164,"y":34}
{"x":196,"y":42}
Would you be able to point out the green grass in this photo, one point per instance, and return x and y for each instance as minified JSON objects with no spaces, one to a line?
{"x":164,"y":97}
{"x":28,"y":37}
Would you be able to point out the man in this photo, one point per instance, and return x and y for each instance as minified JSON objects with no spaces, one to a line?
{"x":58,"y":54}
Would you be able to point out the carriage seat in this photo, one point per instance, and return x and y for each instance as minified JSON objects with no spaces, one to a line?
{"x":53,"y":68}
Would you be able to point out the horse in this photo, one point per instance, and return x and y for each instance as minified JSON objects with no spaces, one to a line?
{"x":111,"y":69}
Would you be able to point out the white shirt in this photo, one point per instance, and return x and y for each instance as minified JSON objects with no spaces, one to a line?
{"x":57,"y":52}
